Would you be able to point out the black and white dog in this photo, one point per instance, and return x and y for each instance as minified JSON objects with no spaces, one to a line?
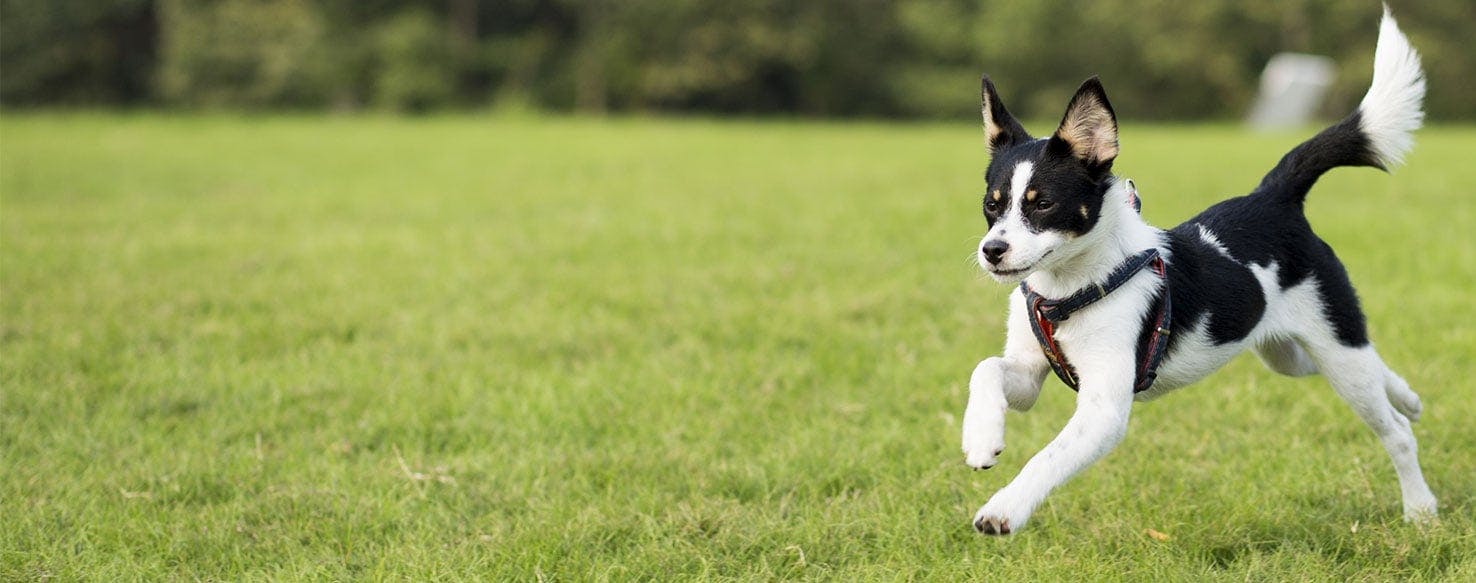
{"x":1123,"y":311}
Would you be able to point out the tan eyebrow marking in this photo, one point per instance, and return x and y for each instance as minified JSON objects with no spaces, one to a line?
{"x":1084,"y":212}
{"x":1031,"y":194}
{"x":996,"y":195}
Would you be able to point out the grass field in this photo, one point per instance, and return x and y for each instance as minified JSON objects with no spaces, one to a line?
{"x":350,"y":348}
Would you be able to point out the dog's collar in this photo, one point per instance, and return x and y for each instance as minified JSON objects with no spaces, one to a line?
{"x":1045,"y":314}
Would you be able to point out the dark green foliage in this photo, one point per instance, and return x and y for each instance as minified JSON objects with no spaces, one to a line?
{"x":239,"y":52}
{"x":414,"y":64}
{"x":898,"y":58}
{"x":76,"y":51}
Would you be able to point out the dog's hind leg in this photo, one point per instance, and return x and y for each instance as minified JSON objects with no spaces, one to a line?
{"x":1403,"y":399}
{"x":1285,"y":356}
{"x":1360,"y":377}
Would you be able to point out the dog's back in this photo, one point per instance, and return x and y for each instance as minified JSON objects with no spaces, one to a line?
{"x":1250,"y":269}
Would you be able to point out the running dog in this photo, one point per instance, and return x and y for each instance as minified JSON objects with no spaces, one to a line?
{"x":1122,"y":311}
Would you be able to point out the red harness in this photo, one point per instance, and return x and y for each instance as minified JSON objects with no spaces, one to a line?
{"x":1045,"y":314}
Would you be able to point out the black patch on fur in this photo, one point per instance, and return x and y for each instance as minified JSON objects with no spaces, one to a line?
{"x":1268,"y":226}
{"x":1064,"y":183}
{"x":1203,"y":283}
{"x":1256,"y":232}
{"x":1058,"y":177}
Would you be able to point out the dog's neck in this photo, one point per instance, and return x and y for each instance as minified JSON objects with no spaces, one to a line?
{"x":1119,"y":233}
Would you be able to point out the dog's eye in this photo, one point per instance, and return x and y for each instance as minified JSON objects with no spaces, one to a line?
{"x":1044,"y":204}
{"x":991,"y":205}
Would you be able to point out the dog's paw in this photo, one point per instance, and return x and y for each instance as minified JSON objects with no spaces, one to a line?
{"x":982,"y":443}
{"x":984,"y":419}
{"x":1004,"y":514}
{"x":1420,"y":511}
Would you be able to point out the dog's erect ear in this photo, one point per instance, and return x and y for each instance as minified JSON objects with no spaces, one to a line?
{"x":1000,"y":128}
{"x":1089,"y":129}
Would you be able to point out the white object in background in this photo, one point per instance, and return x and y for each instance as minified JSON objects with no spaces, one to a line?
{"x":1292,"y":88}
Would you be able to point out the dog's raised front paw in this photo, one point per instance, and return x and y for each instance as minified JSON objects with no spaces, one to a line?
{"x":1004,"y":514}
{"x":981,"y":445}
{"x":984,"y":419}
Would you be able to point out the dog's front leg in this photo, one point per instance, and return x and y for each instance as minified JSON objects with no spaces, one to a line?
{"x":1099,"y":423}
{"x":1011,"y":381}
{"x":993,"y":381}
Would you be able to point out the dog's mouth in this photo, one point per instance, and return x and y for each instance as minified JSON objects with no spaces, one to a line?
{"x":1021,"y":271}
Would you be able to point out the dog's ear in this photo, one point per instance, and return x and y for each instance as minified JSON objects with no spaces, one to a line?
{"x":1000,"y":128}
{"x":1089,"y":129}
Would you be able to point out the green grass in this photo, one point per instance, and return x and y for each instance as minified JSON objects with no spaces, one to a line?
{"x":283,"y":348}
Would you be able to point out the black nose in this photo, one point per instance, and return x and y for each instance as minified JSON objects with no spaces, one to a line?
{"x":994,"y":250}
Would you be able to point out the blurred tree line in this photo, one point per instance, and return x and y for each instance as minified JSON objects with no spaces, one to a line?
{"x":1160,"y":59}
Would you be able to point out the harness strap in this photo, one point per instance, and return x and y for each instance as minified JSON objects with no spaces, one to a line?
{"x":1060,"y":310}
{"x":1045,"y":314}
{"x":1156,"y":345}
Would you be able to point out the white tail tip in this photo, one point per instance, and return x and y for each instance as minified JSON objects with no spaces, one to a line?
{"x":1393,"y":106}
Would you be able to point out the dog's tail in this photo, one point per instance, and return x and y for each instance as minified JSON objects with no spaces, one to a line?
{"x":1376,"y":134}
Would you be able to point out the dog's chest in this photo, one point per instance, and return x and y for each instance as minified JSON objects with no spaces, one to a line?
{"x":1096,"y":341}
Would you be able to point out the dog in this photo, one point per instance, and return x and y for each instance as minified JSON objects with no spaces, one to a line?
{"x":1125,"y":312}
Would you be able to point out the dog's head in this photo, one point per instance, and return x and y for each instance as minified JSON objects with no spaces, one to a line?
{"x":1043,"y":195}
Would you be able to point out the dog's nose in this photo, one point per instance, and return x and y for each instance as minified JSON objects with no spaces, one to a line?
{"x":994,"y":250}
